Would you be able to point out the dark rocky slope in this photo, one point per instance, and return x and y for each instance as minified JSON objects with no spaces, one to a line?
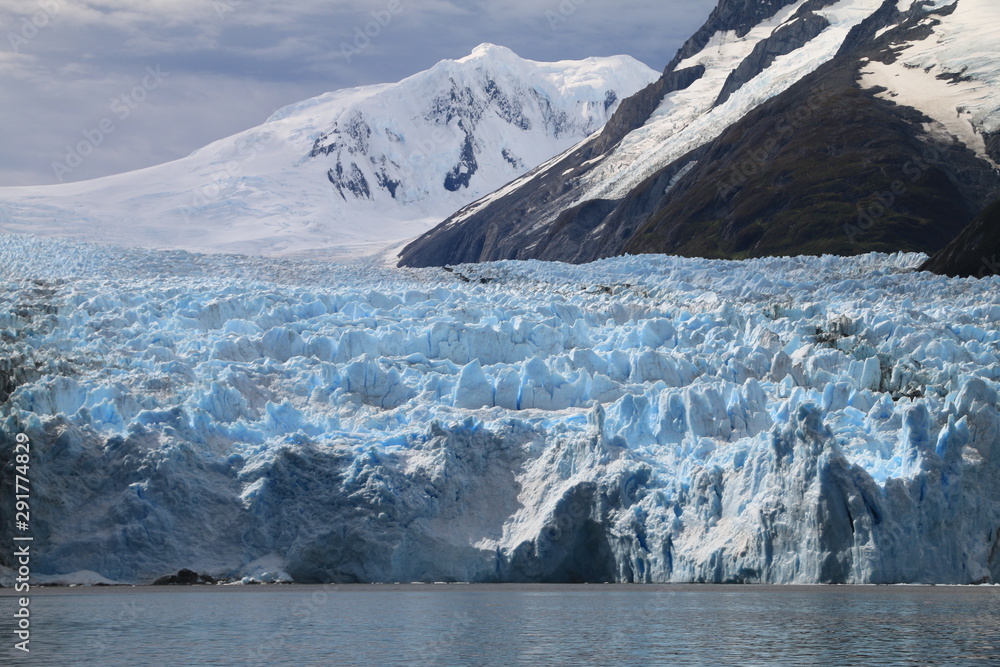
{"x":975,"y":252}
{"x":825,"y":167}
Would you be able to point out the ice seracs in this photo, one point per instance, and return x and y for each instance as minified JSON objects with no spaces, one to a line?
{"x":645,"y":419}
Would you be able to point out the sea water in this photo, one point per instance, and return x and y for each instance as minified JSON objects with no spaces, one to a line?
{"x":508,"y":625}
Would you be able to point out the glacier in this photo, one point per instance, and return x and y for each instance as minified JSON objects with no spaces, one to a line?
{"x":638,"y":419}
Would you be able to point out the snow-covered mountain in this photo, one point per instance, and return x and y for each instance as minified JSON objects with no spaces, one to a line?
{"x":642,"y":419}
{"x":782,"y":127}
{"x":350,"y":171}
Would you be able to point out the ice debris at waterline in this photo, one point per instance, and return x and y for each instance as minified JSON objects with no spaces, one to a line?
{"x":641,"y":419}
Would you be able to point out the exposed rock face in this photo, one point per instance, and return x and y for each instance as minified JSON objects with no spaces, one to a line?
{"x":738,"y":16}
{"x":499,"y":236}
{"x":185,"y":577}
{"x":992,"y":140}
{"x":488,"y":235}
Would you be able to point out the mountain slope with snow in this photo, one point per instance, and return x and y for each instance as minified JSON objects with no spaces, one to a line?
{"x":351,"y":171}
{"x":776,"y":134}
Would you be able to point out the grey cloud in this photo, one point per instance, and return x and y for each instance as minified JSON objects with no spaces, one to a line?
{"x":233,"y":62}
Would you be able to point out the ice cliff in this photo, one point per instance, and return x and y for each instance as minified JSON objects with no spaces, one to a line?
{"x":641,"y":419}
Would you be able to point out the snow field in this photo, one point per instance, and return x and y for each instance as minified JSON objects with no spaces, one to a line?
{"x":350,"y":173}
{"x":953,"y":76}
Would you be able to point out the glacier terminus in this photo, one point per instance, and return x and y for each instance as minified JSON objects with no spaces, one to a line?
{"x":638,"y":419}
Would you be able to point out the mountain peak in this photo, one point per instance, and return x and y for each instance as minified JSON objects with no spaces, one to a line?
{"x":491,"y":52}
{"x":352,"y":170}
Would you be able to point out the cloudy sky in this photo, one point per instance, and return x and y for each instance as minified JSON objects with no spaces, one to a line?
{"x":148,"y":81}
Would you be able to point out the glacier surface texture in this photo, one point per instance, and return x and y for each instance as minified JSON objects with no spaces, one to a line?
{"x":640,"y":419}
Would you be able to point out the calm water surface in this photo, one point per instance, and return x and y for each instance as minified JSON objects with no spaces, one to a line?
{"x":509,"y":625}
